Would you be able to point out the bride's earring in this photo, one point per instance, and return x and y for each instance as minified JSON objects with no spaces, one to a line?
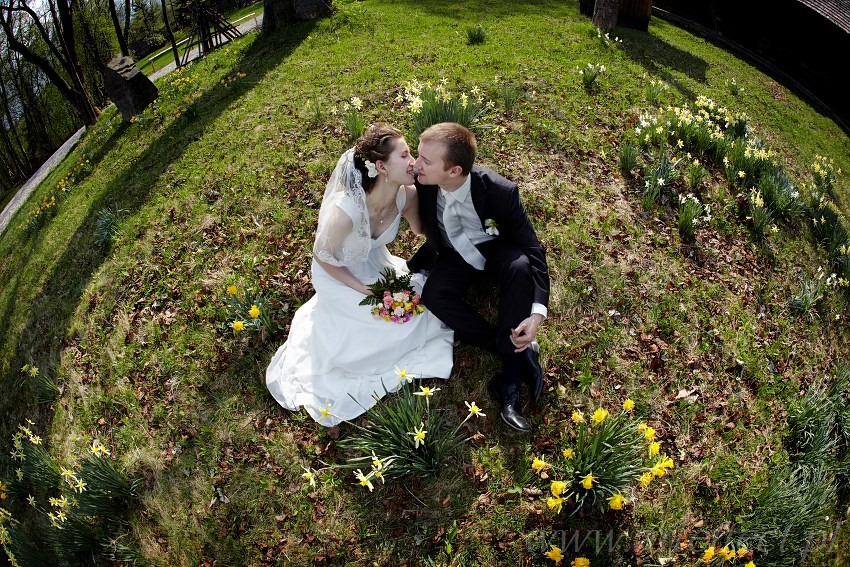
{"x":387,"y":178}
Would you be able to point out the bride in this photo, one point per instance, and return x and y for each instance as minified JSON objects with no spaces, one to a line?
{"x":336,"y":349}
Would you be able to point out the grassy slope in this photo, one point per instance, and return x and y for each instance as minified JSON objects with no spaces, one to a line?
{"x":222,"y":186}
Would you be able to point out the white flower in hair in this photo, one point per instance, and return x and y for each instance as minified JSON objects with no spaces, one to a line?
{"x":370,"y":167}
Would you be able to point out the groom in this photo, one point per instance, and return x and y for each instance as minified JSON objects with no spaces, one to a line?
{"x":476,"y":227}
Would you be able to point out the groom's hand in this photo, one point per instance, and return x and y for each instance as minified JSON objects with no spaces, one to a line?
{"x":525,"y":332}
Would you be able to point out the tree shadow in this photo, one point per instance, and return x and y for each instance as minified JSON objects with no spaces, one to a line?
{"x":657,"y":57}
{"x":52,"y":309}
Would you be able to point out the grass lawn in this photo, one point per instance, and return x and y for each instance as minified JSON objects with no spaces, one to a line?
{"x":220,"y":184}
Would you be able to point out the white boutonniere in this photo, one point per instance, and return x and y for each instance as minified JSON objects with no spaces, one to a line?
{"x":370,"y":168}
{"x":491,"y":227}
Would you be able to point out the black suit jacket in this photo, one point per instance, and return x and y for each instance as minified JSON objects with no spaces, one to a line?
{"x":497,"y":198}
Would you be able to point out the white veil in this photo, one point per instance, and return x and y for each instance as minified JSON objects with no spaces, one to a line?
{"x":343,"y":237}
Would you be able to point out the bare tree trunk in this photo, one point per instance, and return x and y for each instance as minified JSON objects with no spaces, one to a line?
{"x":120,"y":33}
{"x":605,"y":14}
{"x":278,"y":13}
{"x":61,"y":46}
{"x":170,"y":34}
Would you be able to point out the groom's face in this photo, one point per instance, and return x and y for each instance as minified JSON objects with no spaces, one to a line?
{"x":431,"y":164}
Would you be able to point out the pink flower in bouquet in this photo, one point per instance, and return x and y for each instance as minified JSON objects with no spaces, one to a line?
{"x":398,"y":297}
{"x":415,"y":299}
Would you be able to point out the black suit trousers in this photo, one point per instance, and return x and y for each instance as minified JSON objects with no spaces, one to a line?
{"x":445,"y":294}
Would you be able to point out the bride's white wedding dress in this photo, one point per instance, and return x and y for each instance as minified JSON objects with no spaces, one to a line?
{"x":337,"y":351}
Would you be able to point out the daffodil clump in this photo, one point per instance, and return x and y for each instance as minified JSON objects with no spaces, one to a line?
{"x":691,"y":215}
{"x":429,"y":104}
{"x":603,"y":459}
{"x":79,"y":501}
{"x":727,"y":555}
{"x":556,"y":554}
{"x":590,"y":74}
{"x":830,"y":229}
{"x":824,"y":174}
{"x":352,"y":117}
{"x":47,"y":389}
{"x":45,"y":208}
{"x":404,"y":435}
{"x":248,"y":311}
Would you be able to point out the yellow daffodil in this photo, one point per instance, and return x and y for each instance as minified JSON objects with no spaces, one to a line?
{"x":708,"y":554}
{"x":538,"y":465}
{"x":577,"y":417}
{"x":742,"y":551}
{"x":555,"y":554}
{"x":616,"y":502}
{"x":580,"y":562}
{"x":750,"y":564}
{"x":474,"y":410}
{"x":403,"y":375}
{"x":254,"y":312}
{"x":426,"y":391}
{"x":599,"y":416}
{"x":557,"y":487}
{"x":238,"y":326}
{"x":654,"y":448}
{"x":649,"y":434}
{"x":555,"y":503}
{"x":309,"y":475}
{"x":646,"y":478}
{"x":231,"y":290}
{"x":325,"y":412}
{"x":642,"y":427}
{"x":568,"y":453}
{"x":587,"y":482}
{"x":725,"y":553}
{"x":418,"y":435}
{"x":364,"y":480}
{"x":629,"y":405}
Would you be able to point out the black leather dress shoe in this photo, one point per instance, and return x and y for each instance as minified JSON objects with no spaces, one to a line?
{"x":535,"y":372}
{"x":509,"y":412}
{"x":513,"y":417}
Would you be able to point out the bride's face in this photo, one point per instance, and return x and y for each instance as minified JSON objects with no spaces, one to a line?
{"x":399,"y":166}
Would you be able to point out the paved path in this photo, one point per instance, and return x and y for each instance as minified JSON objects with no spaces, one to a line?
{"x":249,"y":23}
{"x":24,"y":192}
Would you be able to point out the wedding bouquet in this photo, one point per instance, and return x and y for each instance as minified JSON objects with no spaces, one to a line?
{"x":393,"y":298}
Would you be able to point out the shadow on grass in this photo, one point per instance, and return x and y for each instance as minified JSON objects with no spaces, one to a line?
{"x":50,"y":313}
{"x":657,"y":57}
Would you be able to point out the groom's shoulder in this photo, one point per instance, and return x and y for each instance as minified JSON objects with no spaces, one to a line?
{"x":490,"y":177}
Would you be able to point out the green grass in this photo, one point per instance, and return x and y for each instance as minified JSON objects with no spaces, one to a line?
{"x":221,"y":184}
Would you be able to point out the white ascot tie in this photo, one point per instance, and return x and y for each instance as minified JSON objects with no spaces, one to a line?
{"x":459,"y":240}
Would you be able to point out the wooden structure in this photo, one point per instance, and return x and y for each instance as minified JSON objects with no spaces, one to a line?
{"x":209,"y":31}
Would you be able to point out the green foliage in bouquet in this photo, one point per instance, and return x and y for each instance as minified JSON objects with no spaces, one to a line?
{"x":389,"y":281}
{"x":601,"y":461}
{"x":393,"y":298}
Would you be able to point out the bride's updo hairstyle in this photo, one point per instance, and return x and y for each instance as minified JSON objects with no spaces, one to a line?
{"x":376,"y":143}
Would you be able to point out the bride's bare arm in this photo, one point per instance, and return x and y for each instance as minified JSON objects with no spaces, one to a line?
{"x":329,"y":242}
{"x":343,"y":275}
{"x":411,"y":210}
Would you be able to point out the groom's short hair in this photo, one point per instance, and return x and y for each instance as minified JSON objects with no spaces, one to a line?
{"x":459,"y":143}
